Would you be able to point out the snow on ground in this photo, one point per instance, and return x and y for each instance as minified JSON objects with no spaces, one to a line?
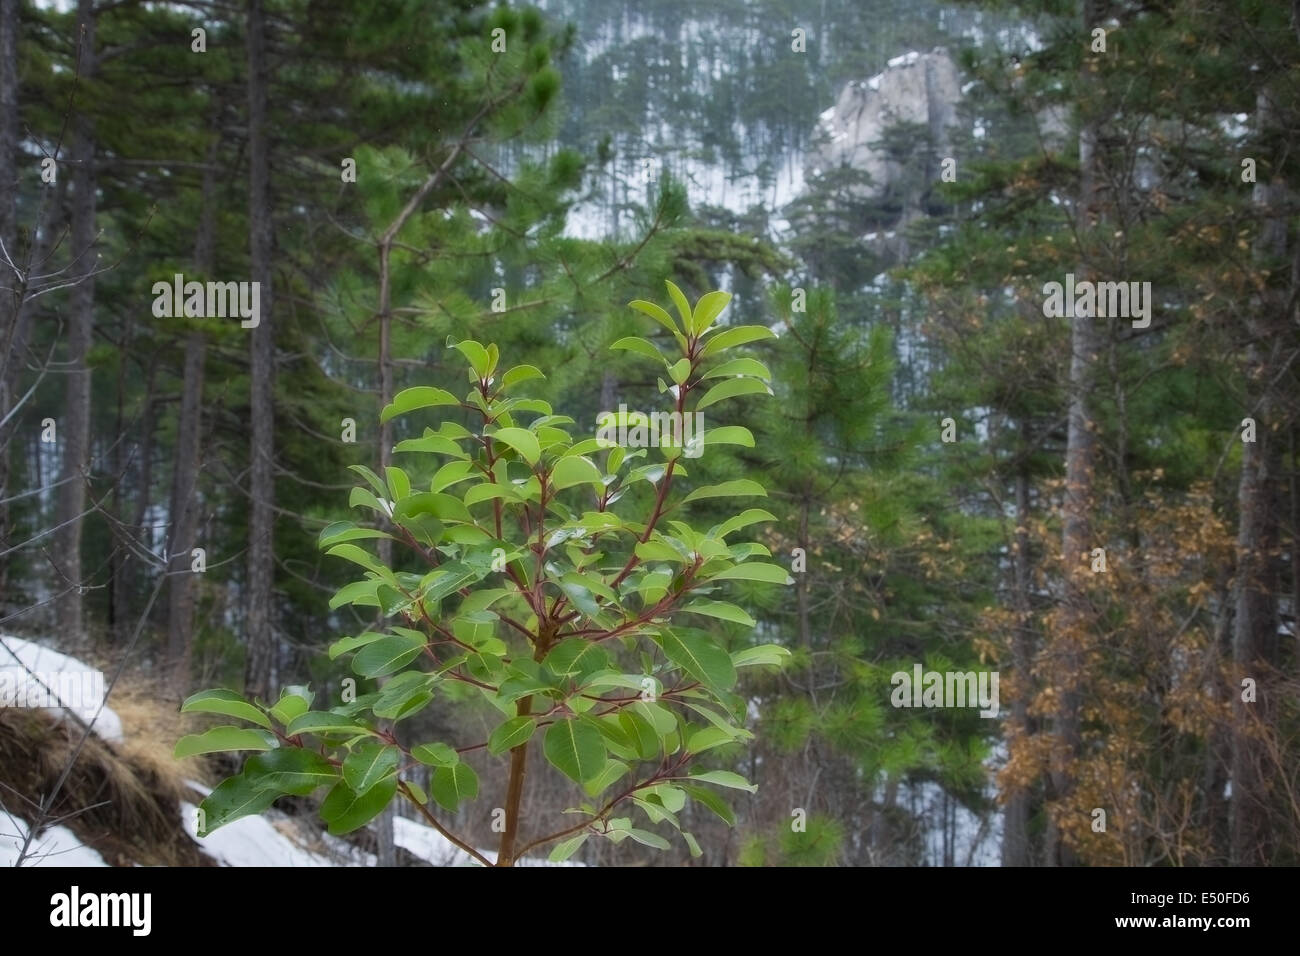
{"x":32,"y":675}
{"x":57,"y":846}
{"x":430,"y":845}
{"x":256,"y":841}
{"x":259,"y":841}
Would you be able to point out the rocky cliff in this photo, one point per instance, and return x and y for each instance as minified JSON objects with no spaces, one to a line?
{"x":922,"y":88}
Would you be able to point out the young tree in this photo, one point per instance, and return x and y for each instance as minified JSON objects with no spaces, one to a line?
{"x":580,"y":639}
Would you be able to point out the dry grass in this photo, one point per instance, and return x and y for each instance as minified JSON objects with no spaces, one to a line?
{"x":134,"y":788}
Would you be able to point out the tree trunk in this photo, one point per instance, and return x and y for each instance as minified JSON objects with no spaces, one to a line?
{"x":184,"y":506}
{"x":261,"y":558}
{"x":1254,"y":643}
{"x":122,"y":583}
{"x":1015,"y":820}
{"x":1254,"y":640}
{"x":9,"y":27}
{"x":1080,"y":461}
{"x":74,"y":429}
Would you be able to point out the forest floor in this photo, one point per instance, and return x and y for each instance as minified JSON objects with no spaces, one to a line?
{"x":126,"y":801}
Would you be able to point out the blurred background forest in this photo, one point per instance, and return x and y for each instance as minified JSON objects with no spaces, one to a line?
{"x":888,"y":185}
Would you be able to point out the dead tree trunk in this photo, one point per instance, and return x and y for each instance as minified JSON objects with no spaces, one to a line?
{"x":1254,"y":642}
{"x":1080,"y":463}
{"x":1016,"y":849}
{"x":259,"y":622}
{"x":74,"y":429}
{"x":184,"y":505}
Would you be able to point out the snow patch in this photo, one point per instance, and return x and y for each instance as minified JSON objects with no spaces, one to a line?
{"x":27,"y":669}
{"x":55,"y":846}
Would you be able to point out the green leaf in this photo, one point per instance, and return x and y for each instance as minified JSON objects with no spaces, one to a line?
{"x":442,"y":506}
{"x":489,"y":492}
{"x":290,"y":705}
{"x":368,"y":765}
{"x":707,"y":310}
{"x":736,"y":488}
{"x":699,"y":657}
{"x":399,"y":482}
{"x":346,"y":810}
{"x":293,"y":770}
{"x":575,"y":470}
{"x":656,"y":550}
{"x":422,"y":396}
{"x":755,"y":571}
{"x":360,"y":496}
{"x":721,"y":610}
{"x":659,"y":716}
{"x":648,"y":838}
{"x":711,"y":800}
{"x":729,"y":389}
{"x":575,"y":748}
{"x":403,"y":696}
{"x":724,"y":778}
{"x":475,"y":354}
{"x":579,"y":594}
{"x":341,"y":531}
{"x":435,"y":755}
{"x":654,"y":809}
{"x":358,"y":593}
{"x":451,"y":473}
{"x":522,"y":441}
{"x":680,"y":370}
{"x":431,"y":444}
{"x":613,"y":770}
{"x":735,"y":335}
{"x":644,"y":738}
{"x":762,"y":654}
{"x":679,"y":300}
{"x":231,"y":799}
{"x":576,"y":656}
{"x":706,"y":738}
{"x":692,"y":844}
{"x":729,"y":435}
{"x":351,"y":643}
{"x":521,"y":373}
{"x":671,"y":798}
{"x":323,"y":722}
{"x":226,"y":703}
{"x":658,"y":313}
{"x":740,"y":366}
{"x":742,"y":520}
{"x":388,"y":655}
{"x":357,"y":555}
{"x":452,"y":785}
{"x":633,"y":343}
{"x":371,"y":478}
{"x":223,"y":738}
{"x":566,"y":848}
{"x":726,"y":723}
{"x":592,"y":583}
{"x":603,"y":680}
{"x":511,"y":734}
